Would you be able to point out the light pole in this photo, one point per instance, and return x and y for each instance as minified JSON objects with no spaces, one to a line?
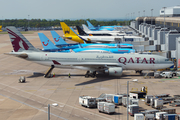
{"x":164,"y":23}
{"x":135,"y":80}
{"x":144,"y":12}
{"x":151,"y":22}
{"x":2,"y":21}
{"x":28,"y":21}
{"x":139,"y":13}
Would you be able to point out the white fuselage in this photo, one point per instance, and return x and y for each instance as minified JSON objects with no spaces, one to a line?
{"x":100,"y":61}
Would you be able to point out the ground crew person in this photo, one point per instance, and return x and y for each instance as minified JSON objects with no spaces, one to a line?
{"x":69,"y":75}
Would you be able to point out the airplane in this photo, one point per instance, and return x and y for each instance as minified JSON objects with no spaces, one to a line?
{"x":98,"y":33}
{"x":99,"y":28}
{"x":0,"y":28}
{"x":113,"y":64}
{"x":59,"y":42}
{"x":49,"y":46}
{"x":69,"y":34}
{"x":112,"y":33}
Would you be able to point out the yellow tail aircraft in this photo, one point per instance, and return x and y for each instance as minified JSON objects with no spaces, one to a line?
{"x":69,"y":34}
{"x":1,"y":28}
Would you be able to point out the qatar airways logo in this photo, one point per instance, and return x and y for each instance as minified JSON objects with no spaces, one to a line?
{"x":125,"y":60}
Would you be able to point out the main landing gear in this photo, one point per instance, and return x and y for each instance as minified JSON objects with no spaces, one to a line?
{"x":139,"y":71}
{"x":90,"y":74}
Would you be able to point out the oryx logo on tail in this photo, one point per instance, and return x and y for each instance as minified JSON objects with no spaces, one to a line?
{"x":17,"y":41}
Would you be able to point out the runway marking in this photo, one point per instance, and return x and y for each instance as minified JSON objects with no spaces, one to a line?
{"x":32,"y":106}
{"x":76,"y":115}
{"x":51,"y":89}
{"x":85,"y":118}
{"x":58,"y":102}
{"x":89,"y":86}
{"x":2,"y":99}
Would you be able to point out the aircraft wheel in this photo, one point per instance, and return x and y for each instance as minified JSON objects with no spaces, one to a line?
{"x":86,"y":75}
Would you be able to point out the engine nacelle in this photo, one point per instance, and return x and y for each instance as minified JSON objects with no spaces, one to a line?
{"x":114,"y":71}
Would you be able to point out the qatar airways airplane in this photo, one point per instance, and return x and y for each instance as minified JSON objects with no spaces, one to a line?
{"x":113,"y":64}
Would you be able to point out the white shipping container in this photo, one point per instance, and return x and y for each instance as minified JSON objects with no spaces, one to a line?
{"x":109,"y":98}
{"x":158,"y":103}
{"x":138,"y":117}
{"x":158,"y":114}
{"x":100,"y":106}
{"x":87,"y":101}
{"x":109,"y":108}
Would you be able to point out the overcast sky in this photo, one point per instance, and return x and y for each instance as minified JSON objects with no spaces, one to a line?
{"x":80,"y":9}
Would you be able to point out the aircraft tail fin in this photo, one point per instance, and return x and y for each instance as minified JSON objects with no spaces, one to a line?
{"x":0,"y":28}
{"x":19,"y":42}
{"x":67,"y":31}
{"x":81,"y":32}
{"x":74,"y":31}
{"x":46,"y":43}
{"x":57,"y":39}
{"x":85,"y":27}
{"x":90,"y":25}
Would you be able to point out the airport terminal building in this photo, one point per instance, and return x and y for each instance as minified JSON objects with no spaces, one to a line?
{"x":162,"y":34}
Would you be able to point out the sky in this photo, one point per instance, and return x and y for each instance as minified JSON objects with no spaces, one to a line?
{"x":81,"y":9}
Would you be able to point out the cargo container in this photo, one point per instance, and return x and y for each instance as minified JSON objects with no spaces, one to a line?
{"x":132,"y":109}
{"x":158,"y":104}
{"x":178,"y":117}
{"x":100,"y":106}
{"x":87,"y":101}
{"x":169,"y":110}
{"x":154,"y":111}
{"x":152,"y":102}
{"x":106,"y":107}
{"x":124,"y":101}
{"x":169,"y":116}
{"x":109,"y":98}
{"x":149,"y":117}
{"x":117,"y":99}
{"x":109,"y":108}
{"x":134,"y":102}
{"x":138,"y":116}
{"x":159,"y":115}
{"x":148,"y":99}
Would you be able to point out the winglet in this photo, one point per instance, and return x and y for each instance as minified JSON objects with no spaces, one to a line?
{"x":57,"y":39}
{"x":46,"y":43}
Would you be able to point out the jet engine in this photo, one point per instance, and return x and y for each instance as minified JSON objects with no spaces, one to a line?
{"x":114,"y":71}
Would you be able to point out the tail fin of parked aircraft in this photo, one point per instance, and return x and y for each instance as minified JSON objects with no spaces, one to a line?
{"x":19,"y":42}
{"x":46,"y":43}
{"x":85,"y":27}
{"x":67,"y":31}
{"x":74,"y":31}
{"x":90,"y":25}
{"x":81,"y":32}
{"x":0,"y":28}
{"x":57,"y":39}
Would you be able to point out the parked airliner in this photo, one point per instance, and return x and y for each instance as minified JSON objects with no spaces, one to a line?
{"x":113,"y":64}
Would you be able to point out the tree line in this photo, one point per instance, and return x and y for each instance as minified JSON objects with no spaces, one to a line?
{"x":56,"y":22}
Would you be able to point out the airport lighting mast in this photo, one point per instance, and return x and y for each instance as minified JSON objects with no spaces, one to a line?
{"x":151,"y":21}
{"x":164,"y":22}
